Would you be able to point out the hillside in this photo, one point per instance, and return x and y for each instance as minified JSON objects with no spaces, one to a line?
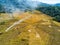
{"x":13,"y":5}
{"x":39,"y":29}
{"x":53,"y":11}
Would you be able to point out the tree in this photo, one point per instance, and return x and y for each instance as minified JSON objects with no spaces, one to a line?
{"x":2,"y":10}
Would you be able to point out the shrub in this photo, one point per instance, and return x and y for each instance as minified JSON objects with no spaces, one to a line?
{"x":2,"y":23}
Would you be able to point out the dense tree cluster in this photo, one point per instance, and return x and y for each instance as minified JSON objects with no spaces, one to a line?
{"x":53,"y":11}
{"x":2,"y":10}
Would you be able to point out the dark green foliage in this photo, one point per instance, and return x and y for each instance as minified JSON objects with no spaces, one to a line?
{"x":1,"y":33}
{"x":24,"y":40}
{"x":2,"y":10}
{"x":2,"y":23}
{"x":53,"y":11}
{"x":57,"y":18}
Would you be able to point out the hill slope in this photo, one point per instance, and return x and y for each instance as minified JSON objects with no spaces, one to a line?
{"x":40,"y":29}
{"x":53,"y":11}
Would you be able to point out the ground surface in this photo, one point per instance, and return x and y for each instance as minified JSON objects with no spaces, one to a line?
{"x":39,"y":29}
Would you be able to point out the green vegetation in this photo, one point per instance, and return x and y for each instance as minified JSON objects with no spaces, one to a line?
{"x":53,"y":11}
{"x":2,"y":10}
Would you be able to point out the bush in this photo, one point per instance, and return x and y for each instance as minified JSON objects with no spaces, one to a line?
{"x":2,"y":23}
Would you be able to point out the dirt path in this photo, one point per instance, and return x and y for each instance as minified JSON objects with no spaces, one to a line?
{"x":18,"y":22}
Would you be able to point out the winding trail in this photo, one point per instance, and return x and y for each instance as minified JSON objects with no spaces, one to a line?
{"x":18,"y":22}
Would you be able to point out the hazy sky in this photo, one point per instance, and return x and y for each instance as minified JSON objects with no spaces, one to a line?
{"x":49,"y":1}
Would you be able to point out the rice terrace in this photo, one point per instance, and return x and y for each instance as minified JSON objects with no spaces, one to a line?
{"x":29,"y":22}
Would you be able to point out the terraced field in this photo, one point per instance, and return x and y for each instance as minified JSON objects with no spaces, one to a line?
{"x":39,"y":29}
